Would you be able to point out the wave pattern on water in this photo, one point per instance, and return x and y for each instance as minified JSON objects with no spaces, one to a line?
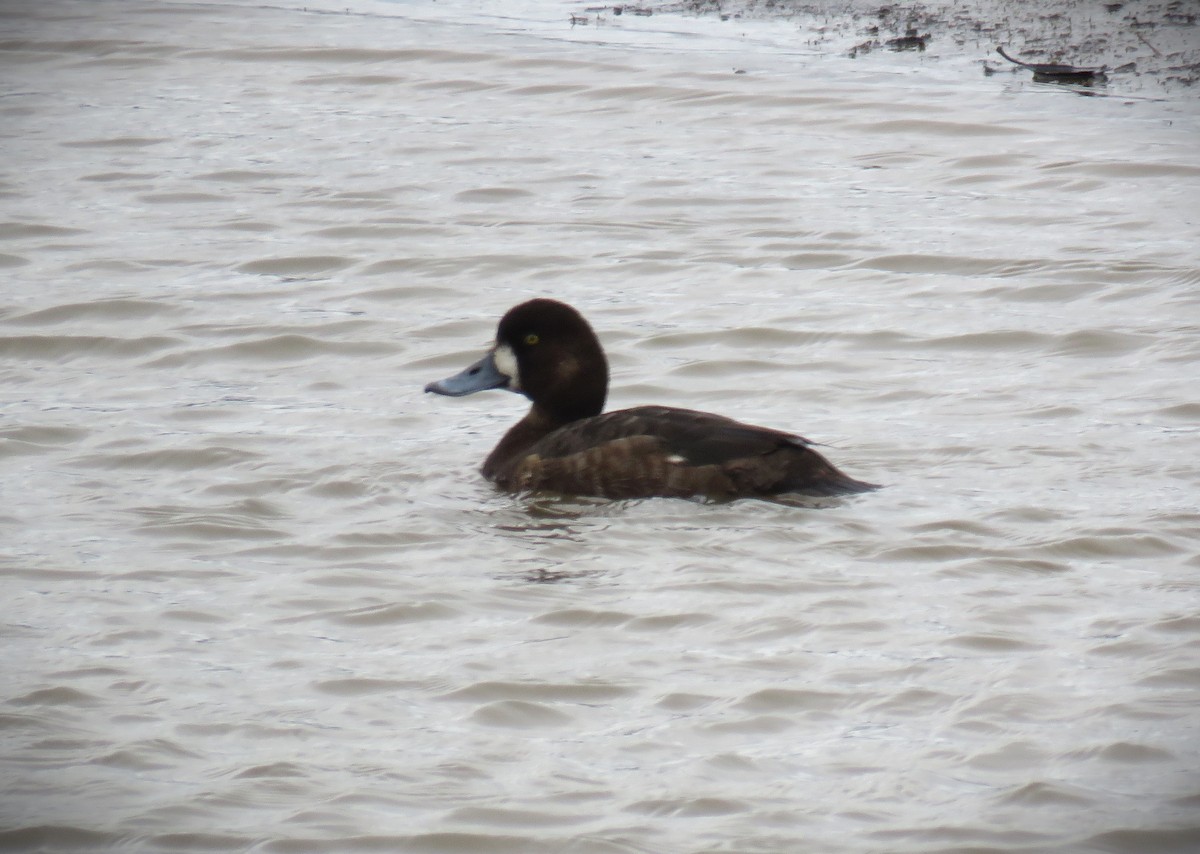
{"x":256,"y":583}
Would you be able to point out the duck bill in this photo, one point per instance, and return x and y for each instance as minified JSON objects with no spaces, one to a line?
{"x":480,"y":376}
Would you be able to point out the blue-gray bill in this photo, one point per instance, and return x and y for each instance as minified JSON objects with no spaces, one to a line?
{"x":480,"y":376}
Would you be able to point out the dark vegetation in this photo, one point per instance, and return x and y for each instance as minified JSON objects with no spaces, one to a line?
{"x":1136,"y":44}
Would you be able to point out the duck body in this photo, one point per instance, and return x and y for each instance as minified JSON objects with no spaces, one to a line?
{"x":546,"y":350}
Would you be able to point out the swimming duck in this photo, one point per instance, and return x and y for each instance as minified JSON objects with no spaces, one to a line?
{"x":546,"y":351}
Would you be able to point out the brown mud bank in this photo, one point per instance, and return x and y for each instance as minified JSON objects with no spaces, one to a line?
{"x":1139,"y":44}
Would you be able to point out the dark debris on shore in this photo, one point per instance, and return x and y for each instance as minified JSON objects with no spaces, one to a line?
{"x":1146,"y":43}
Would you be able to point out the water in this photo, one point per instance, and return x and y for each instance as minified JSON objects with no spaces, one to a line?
{"x":258,"y":597}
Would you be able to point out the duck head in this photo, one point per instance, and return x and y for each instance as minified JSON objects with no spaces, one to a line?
{"x":546,"y":351}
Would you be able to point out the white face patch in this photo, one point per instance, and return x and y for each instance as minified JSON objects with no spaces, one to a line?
{"x":506,"y":363}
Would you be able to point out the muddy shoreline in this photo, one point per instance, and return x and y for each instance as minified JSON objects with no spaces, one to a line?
{"x":1140,"y":44}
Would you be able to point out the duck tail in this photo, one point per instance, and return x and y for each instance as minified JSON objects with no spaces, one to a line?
{"x":843,"y":484}
{"x":811,"y":474}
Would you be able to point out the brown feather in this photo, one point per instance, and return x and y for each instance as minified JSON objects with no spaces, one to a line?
{"x":662,"y":451}
{"x":564,"y":444}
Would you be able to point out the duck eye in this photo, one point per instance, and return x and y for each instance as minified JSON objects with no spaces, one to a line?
{"x":531,"y":339}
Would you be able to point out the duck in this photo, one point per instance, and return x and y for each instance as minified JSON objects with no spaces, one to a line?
{"x":567,"y":444}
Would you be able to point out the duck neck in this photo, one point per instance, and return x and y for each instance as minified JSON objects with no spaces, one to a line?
{"x":536,"y":424}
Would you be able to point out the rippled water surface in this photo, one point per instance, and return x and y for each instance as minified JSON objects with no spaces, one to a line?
{"x":259,"y":598}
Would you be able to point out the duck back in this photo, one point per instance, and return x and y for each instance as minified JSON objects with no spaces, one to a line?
{"x":664,"y":451}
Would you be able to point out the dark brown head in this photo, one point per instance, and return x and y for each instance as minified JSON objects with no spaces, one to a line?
{"x":546,"y":351}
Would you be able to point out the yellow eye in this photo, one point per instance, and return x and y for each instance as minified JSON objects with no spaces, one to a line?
{"x":531,"y":339}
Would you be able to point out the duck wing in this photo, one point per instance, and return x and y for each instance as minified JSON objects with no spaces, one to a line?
{"x":701,"y":438}
{"x":664,"y":451}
